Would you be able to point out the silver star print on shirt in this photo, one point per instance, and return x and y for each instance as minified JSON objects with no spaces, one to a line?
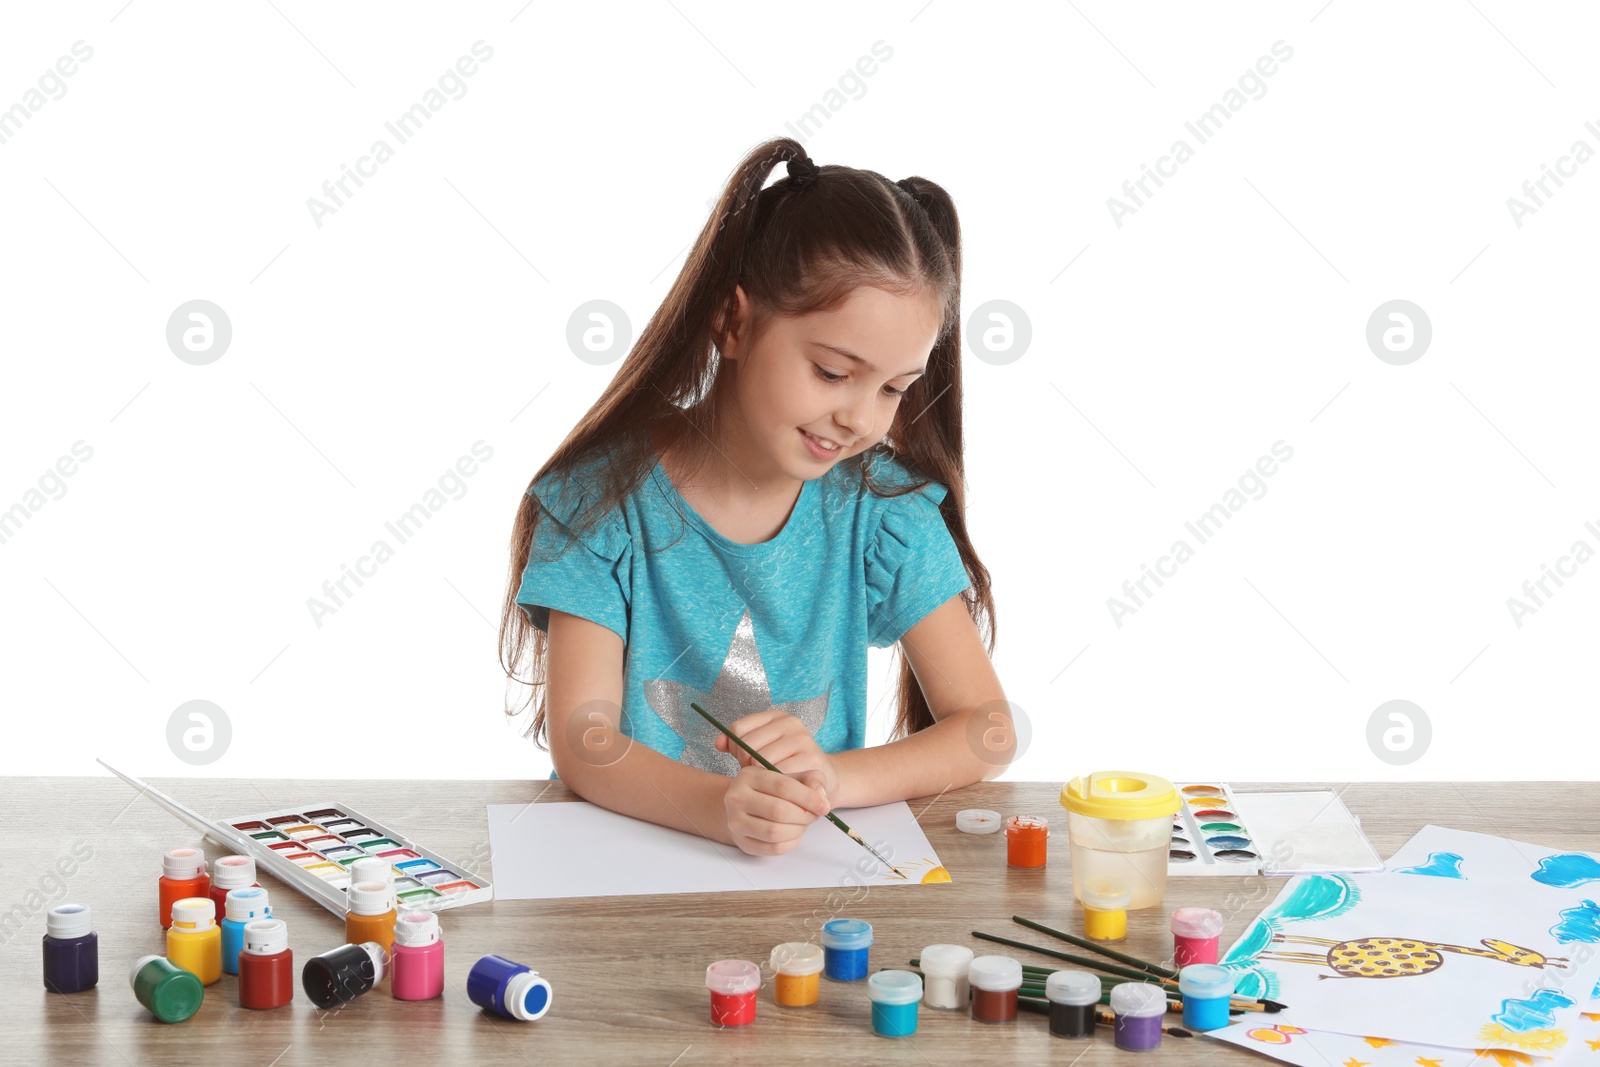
{"x":740,"y":689}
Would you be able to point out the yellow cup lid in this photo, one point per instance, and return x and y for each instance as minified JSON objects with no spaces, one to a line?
{"x":1120,"y":795}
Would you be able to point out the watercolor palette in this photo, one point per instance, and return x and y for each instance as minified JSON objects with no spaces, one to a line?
{"x":312,"y":847}
{"x":1220,"y":832}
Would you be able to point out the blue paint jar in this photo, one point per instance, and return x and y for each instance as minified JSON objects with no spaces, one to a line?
{"x":845,"y":944}
{"x":508,"y":989}
{"x":1206,"y":989}
{"x":240,"y":906}
{"x":894,"y":996}
{"x":71,"y":950}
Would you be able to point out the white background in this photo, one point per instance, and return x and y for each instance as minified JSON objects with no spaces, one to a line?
{"x":1168,"y":354}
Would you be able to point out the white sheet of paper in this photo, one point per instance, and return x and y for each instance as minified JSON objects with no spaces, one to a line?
{"x":577,"y":849}
{"x":1453,"y":1005}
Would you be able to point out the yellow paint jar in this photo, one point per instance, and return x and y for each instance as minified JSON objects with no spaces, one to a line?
{"x":797,"y":971}
{"x":194,"y":941}
{"x":1105,"y":910}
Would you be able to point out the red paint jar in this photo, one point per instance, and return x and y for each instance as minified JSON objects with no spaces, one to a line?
{"x":995,"y":981}
{"x":1025,"y":840}
{"x":733,"y":985}
{"x":266,"y":966}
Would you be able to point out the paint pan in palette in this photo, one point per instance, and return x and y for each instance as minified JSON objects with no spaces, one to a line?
{"x":311,"y":848}
{"x":1220,"y":832}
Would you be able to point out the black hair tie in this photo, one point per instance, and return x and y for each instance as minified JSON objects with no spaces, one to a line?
{"x":802,"y":172}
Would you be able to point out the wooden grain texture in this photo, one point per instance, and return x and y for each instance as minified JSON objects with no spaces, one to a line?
{"x":628,"y":972}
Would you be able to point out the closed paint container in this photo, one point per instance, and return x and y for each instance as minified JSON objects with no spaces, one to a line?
{"x":796,"y":968}
{"x":995,"y":981}
{"x":1074,"y":998}
{"x":194,"y":942}
{"x":418,"y":957}
{"x":239,"y":907}
{"x":71,"y":949}
{"x":266,"y":966}
{"x":168,"y":992}
{"x":183,"y":874}
{"x":1206,"y":990}
{"x":944,"y":976}
{"x":371,"y":916}
{"x":342,"y":974}
{"x":509,"y":990}
{"x":1195,"y":932}
{"x":733,"y":985}
{"x":846,"y":944}
{"x":1105,"y":909}
{"x":894,"y":995}
{"x":1139,"y":1009}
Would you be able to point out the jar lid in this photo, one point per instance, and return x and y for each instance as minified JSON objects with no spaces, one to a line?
{"x":233,"y":872}
{"x":369,"y":898}
{"x":894,"y":987}
{"x":945,"y":961}
{"x":194,"y":914}
{"x":1120,"y":795}
{"x":183,"y":863}
{"x":1107,"y":894}
{"x":1138,"y":1000}
{"x":265,"y":937}
{"x":416,"y":929}
{"x":1196,"y":922}
{"x":731,"y":977}
{"x":1073,"y":987}
{"x":978,"y":821}
{"x":243,"y":905}
{"x":798,"y":958}
{"x":1205,"y":980}
{"x":68,"y":920}
{"x":994,"y":974}
{"x":846,"y":933}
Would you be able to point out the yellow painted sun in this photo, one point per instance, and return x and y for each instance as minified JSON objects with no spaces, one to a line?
{"x":938,"y":874}
{"x":1533,"y":1040}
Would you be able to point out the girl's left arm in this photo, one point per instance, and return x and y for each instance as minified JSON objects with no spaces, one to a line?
{"x":972,"y":738}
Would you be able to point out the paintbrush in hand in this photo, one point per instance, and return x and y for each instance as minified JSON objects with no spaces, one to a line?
{"x":759,"y":758}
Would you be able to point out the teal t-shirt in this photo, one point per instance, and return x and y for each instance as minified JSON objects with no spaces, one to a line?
{"x":740,"y":628}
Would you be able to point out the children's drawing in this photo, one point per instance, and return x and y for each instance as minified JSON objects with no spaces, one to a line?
{"x":1439,"y":865}
{"x":1327,"y":942}
{"x":1568,"y":870}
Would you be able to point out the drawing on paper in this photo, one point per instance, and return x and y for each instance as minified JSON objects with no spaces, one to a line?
{"x":1397,"y":957}
{"x":1439,"y":865}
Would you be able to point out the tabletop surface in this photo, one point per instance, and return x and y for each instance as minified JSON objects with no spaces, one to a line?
{"x":627,"y":972}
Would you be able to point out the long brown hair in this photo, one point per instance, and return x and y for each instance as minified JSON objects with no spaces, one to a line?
{"x":794,"y":250}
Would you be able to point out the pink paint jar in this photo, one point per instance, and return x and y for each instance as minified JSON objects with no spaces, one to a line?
{"x":1194,"y":934}
{"x":733,"y":985}
{"x":418,"y":957}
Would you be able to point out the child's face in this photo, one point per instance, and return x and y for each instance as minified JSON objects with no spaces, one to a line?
{"x":795,"y":381}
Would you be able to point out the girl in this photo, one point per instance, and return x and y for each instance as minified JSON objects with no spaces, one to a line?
{"x":771,"y":483}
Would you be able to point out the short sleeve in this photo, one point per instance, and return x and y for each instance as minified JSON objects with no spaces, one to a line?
{"x":588,"y":575}
{"x":912,"y":564}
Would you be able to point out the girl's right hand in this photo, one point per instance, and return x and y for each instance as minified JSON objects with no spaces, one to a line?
{"x":768,"y":812}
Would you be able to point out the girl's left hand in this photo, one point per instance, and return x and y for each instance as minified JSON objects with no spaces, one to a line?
{"x":785,"y":742}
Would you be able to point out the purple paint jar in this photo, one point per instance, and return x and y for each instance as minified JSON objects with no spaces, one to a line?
{"x":1140,"y":1009}
{"x":71,"y":950}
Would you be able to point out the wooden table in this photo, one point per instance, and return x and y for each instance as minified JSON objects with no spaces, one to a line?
{"x":628,"y":972}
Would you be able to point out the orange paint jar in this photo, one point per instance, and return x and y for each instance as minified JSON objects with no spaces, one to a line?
{"x":371,"y":916}
{"x":797,"y":973}
{"x":1026,"y":836}
{"x":183,"y":875}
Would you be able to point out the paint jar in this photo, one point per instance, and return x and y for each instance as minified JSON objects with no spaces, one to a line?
{"x":241,"y":906}
{"x":371,"y":915}
{"x":230,"y":873}
{"x":1206,"y":990}
{"x":733,"y":985}
{"x":508,"y":989}
{"x":995,"y":981}
{"x":845,"y":946}
{"x":342,"y":974}
{"x":418,"y":957}
{"x":1105,"y":909}
{"x":1194,"y":934}
{"x":168,"y":991}
{"x":894,"y":996}
{"x":796,"y":966}
{"x":1139,"y":1008}
{"x":1119,"y":826}
{"x":1074,"y":998}
{"x":266,"y":966}
{"x":944,"y":976}
{"x":183,"y":874}
{"x":194,"y":942}
{"x":71,"y":950}
{"x":1026,"y":837}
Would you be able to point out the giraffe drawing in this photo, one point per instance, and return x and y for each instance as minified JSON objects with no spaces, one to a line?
{"x":1397,"y":957}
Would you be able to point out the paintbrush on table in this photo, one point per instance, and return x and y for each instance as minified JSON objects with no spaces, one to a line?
{"x":759,"y":758}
